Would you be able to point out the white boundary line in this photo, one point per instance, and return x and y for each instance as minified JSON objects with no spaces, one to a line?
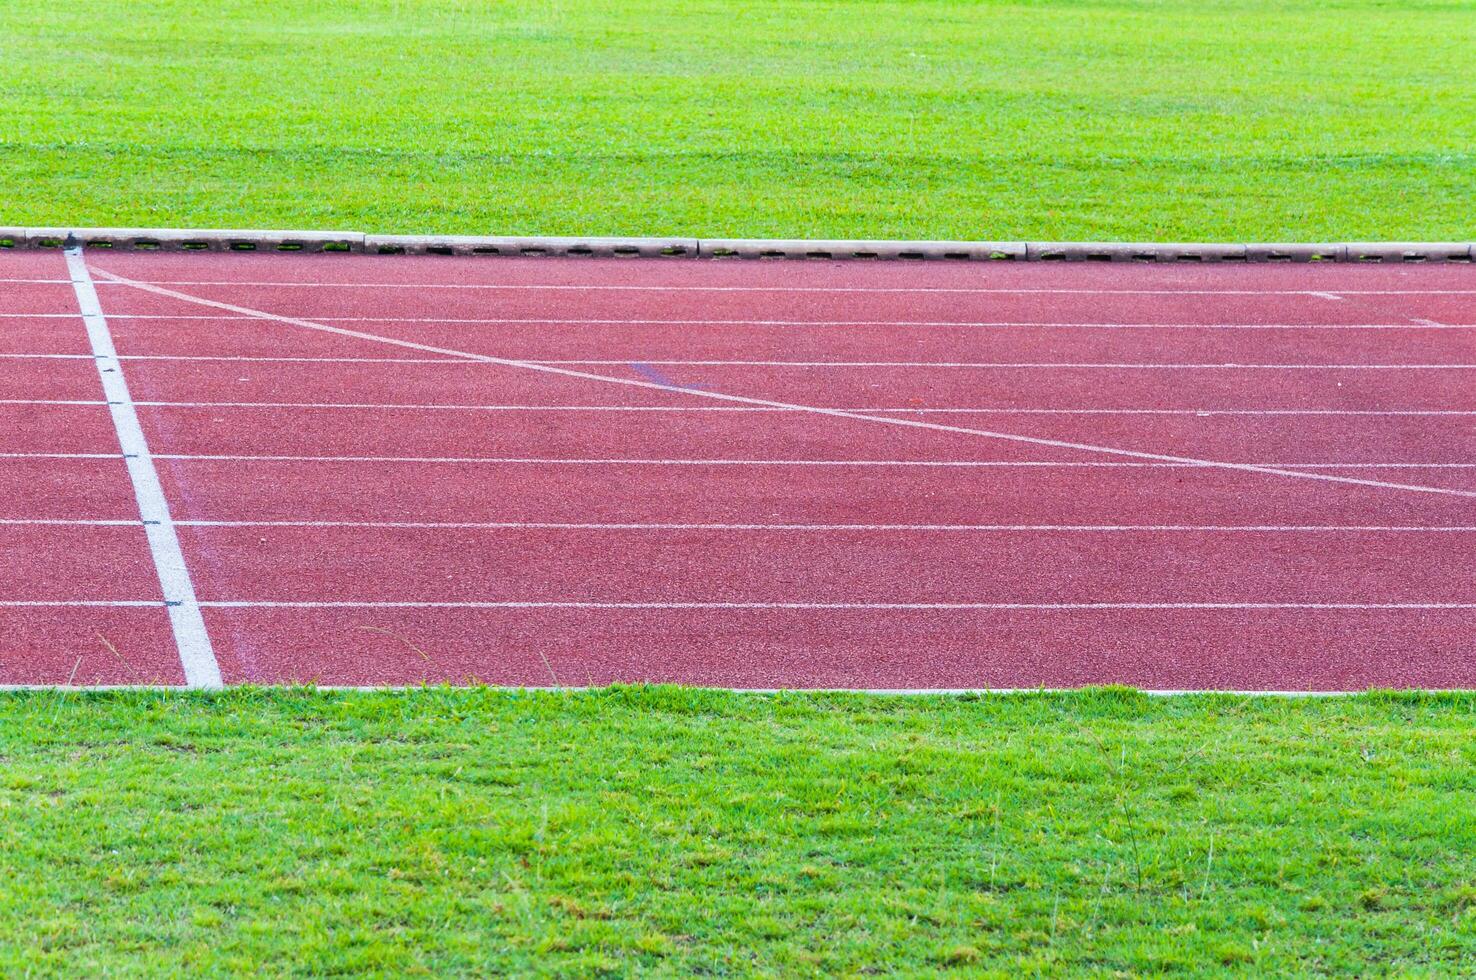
{"x":945,"y":290}
{"x":190,"y":635}
{"x":840,"y":606}
{"x":834,"y":413}
{"x":970,"y":410}
{"x":647,"y":321}
{"x":712,"y":526}
{"x":802,"y":606}
{"x":907,"y":692}
{"x":645,"y":461}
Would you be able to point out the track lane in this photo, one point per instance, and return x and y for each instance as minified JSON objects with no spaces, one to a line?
{"x":330,"y":564}
{"x":708,"y":493}
{"x":1182,"y":649}
{"x":955,"y":648}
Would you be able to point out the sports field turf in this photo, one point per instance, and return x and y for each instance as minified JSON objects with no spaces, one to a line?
{"x":687,"y":832}
{"x":1126,"y":120}
{"x":681,"y":831}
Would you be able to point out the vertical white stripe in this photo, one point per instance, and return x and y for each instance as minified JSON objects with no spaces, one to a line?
{"x":190,"y":635}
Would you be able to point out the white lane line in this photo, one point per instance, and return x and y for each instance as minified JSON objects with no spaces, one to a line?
{"x":921,"y":606}
{"x":907,"y":692}
{"x":672,"y":526}
{"x":646,"y":461}
{"x":624,"y":287}
{"x":1005,"y":528}
{"x":940,"y":365}
{"x":1326,"y":295}
{"x":14,"y":455}
{"x":69,"y":603}
{"x":932,"y":606}
{"x":647,"y":321}
{"x":70,"y":521}
{"x":831,"y":412}
{"x":431,"y":407}
{"x":190,"y":635}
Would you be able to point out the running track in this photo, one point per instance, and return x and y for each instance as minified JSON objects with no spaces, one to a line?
{"x":366,"y":470}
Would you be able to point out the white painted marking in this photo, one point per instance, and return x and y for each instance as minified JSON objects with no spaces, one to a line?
{"x":641,"y":461}
{"x":929,"y":606}
{"x":70,"y":521}
{"x":768,"y":691}
{"x":624,"y":287}
{"x":1001,"y":324}
{"x":940,"y":365}
{"x":430,"y":407}
{"x":67,"y":603}
{"x":190,"y":636}
{"x":1008,"y":528}
{"x":1198,"y":412}
{"x":1326,"y":295}
{"x":61,"y":455}
{"x":834,"y":413}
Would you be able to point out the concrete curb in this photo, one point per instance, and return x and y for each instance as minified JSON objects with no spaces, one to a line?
{"x":187,"y":240}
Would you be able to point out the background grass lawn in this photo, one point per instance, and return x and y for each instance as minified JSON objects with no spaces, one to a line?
{"x":1121,"y":119}
{"x":696,"y":832}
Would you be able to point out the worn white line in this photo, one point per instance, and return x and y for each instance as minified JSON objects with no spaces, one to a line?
{"x":670,"y":526}
{"x":72,"y":521}
{"x":646,"y":461}
{"x":627,"y":287}
{"x":648,"y":321}
{"x":940,"y":365}
{"x":394,"y":406}
{"x":970,"y":410}
{"x":38,"y":455}
{"x":908,"y":692}
{"x":190,"y":635}
{"x":718,"y":526}
{"x":831,"y":412}
{"x":933,"y":606}
{"x":68,"y":603}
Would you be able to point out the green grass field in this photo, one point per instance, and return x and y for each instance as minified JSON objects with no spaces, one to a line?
{"x":1132,"y":119}
{"x":683,"y":832}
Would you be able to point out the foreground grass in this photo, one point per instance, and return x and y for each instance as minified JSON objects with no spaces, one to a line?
{"x":687,"y":831}
{"x":1132,"y":119}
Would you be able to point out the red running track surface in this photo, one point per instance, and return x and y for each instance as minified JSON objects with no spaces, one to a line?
{"x":540,"y":471}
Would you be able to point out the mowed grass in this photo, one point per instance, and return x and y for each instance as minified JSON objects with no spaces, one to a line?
{"x":679,"y":831}
{"x":1121,"y":119}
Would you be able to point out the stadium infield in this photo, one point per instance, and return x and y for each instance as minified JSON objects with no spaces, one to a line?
{"x":365,"y":470}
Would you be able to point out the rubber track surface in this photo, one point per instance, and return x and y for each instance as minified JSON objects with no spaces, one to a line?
{"x":374,"y":504}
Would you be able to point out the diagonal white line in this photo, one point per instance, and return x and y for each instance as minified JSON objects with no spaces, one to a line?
{"x":190,"y":635}
{"x":832,"y":412}
{"x":627,"y":287}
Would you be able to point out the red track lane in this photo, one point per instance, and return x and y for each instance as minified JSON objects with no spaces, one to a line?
{"x":440,"y":565}
{"x":267,"y":490}
{"x":796,"y":435}
{"x":79,"y":645}
{"x":471,"y":383}
{"x":248,"y":338}
{"x":1388,"y":550}
{"x":62,"y":489}
{"x":701,"y":305}
{"x":1193,"y":649}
